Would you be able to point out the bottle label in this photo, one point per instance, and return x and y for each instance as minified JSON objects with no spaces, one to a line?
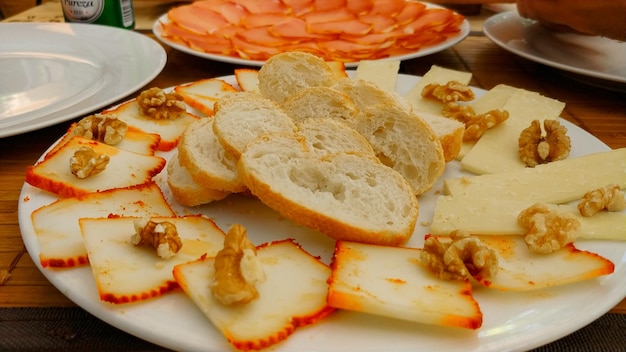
{"x":82,"y":10}
{"x":128,"y":16}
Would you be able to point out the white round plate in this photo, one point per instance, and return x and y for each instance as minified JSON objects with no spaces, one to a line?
{"x":513,"y":321}
{"x":53,"y":72}
{"x":453,"y":40}
{"x":590,"y":56}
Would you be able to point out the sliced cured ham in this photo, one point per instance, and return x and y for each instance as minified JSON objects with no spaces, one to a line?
{"x":348,"y":27}
{"x":197,"y":19}
{"x":344,"y":30}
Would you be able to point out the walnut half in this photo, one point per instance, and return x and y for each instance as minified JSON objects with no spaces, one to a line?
{"x":161,"y":236}
{"x":547,"y":230}
{"x":536,"y":148}
{"x":449,"y":92}
{"x":461,"y":258}
{"x":237,"y":269}
{"x":158,"y":105}
{"x":609,"y":197}
{"x":102,"y":128}
{"x":86,"y":162}
{"x":475,"y":124}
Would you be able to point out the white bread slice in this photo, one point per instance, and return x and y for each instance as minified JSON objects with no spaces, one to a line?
{"x":345,"y":196}
{"x":366,"y":94}
{"x":206,"y":160}
{"x":124,"y":169}
{"x":449,"y":131}
{"x":186,"y":190}
{"x":318,"y":102}
{"x":388,"y":281}
{"x":404,"y":142}
{"x":330,"y":135}
{"x":243,"y":116}
{"x":286,"y":73}
{"x":292,"y":295}
{"x":125,"y":273}
{"x":61,"y":244}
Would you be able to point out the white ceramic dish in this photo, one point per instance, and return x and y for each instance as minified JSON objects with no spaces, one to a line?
{"x":512,"y":321}
{"x":595,"y":57}
{"x":157,"y":30}
{"x":53,"y":72}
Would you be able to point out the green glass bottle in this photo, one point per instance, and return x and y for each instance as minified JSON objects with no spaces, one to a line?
{"x":117,"y":13}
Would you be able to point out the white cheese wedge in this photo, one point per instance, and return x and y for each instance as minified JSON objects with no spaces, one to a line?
{"x":497,"y":149}
{"x":383,"y":73}
{"x":437,"y":75}
{"x":492,"y":216}
{"x":493,"y":99}
{"x":557,"y":182}
{"x":389,"y":281}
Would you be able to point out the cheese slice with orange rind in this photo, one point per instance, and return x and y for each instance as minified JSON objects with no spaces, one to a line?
{"x":202,"y":95}
{"x":247,"y":79}
{"x":292,"y":295}
{"x":134,"y":141}
{"x":127,"y":273}
{"x":523,"y":270}
{"x":124,"y":169}
{"x":60,"y":241}
{"x":168,"y":129}
{"x":389,"y":281}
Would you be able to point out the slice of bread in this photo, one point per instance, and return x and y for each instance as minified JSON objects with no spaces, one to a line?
{"x":403,"y":142}
{"x":366,"y":94}
{"x":286,"y":73}
{"x":343,"y":195}
{"x":241,"y":117}
{"x":186,"y":190}
{"x":206,"y":160}
{"x":319,"y":102}
{"x":449,"y":131}
{"x":329,"y":135}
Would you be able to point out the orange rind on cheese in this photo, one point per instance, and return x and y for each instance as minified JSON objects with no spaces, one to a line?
{"x":127,"y":273}
{"x":202,"y":95}
{"x":523,"y":270}
{"x":389,"y":281}
{"x":56,"y":224}
{"x":134,"y":141}
{"x":292,"y":295}
{"x":168,"y":129}
{"x":124,"y":169}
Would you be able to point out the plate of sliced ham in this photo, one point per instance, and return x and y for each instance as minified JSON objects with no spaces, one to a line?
{"x":249,"y":32}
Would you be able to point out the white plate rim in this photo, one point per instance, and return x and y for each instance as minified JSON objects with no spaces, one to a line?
{"x":145,"y":68}
{"x":158,"y":33}
{"x":144,"y":321}
{"x":514,"y":17}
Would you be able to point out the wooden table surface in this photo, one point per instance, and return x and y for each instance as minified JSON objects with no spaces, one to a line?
{"x":599,"y":111}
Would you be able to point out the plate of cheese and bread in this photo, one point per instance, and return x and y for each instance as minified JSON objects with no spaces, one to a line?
{"x":511,"y":313}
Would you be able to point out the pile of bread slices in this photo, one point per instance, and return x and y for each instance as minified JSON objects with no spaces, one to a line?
{"x":339,"y":155}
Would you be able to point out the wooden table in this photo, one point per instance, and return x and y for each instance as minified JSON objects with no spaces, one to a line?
{"x":599,"y":111}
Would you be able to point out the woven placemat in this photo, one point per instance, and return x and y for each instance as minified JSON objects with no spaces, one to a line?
{"x":73,"y":329}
